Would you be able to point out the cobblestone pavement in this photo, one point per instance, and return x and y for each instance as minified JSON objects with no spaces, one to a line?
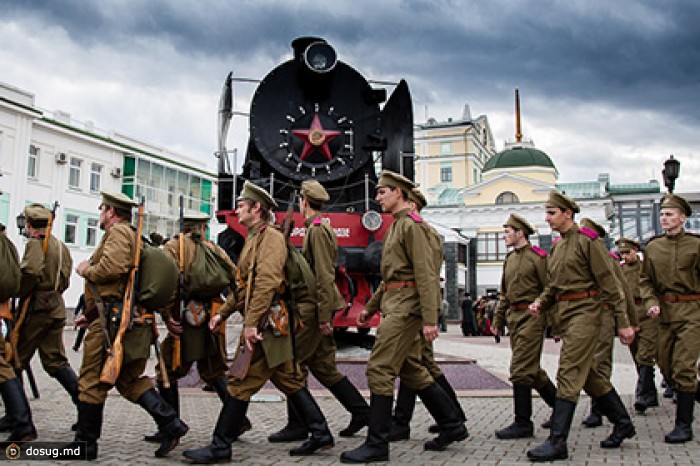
{"x":487,"y":410}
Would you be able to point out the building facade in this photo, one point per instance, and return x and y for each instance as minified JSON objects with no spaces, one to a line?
{"x":48,"y":156}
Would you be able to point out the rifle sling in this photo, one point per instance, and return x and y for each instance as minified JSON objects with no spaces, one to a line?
{"x":100,"y":305}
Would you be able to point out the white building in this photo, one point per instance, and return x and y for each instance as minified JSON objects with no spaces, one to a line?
{"x":48,"y":156}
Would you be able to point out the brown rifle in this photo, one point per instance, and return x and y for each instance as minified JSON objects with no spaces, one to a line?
{"x":115,"y":355}
{"x":24,"y":310}
{"x":176,"y":360}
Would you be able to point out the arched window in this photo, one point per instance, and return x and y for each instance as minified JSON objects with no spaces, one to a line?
{"x":507,"y":197}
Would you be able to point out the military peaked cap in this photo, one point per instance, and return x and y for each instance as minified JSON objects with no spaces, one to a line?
{"x":117,"y":200}
{"x":557,"y":199}
{"x":671,"y":200}
{"x":37,"y":213}
{"x":257,"y":194}
{"x":417,"y":196}
{"x":625,"y":244}
{"x":519,"y":223}
{"x":314,"y":192}
{"x":598,"y":228}
{"x":387,"y":178}
{"x":196,"y":217}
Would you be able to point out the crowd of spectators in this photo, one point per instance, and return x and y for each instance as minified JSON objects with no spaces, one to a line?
{"x":478,"y":315}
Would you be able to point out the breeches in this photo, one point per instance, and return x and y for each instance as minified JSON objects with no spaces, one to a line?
{"x":45,"y":333}
{"x":679,"y":348}
{"x":287,"y":377}
{"x":526,"y":337}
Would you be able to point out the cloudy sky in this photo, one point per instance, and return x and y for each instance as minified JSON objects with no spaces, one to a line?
{"x":606,"y":86}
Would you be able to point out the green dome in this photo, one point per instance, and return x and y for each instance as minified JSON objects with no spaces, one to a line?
{"x":519,"y":157}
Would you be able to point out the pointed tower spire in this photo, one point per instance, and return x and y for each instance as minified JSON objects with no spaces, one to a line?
{"x":518,"y":131}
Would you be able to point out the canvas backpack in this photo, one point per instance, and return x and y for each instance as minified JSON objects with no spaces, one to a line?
{"x":301,"y":282}
{"x":158,"y":277}
{"x":209,"y":273}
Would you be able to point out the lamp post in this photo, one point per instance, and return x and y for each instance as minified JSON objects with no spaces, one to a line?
{"x":672,"y":168}
{"x":21,"y":223}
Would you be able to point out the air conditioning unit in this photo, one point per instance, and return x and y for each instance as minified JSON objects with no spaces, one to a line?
{"x":61,"y":158}
{"x":116,"y":172}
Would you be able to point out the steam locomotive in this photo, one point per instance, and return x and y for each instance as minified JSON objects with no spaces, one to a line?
{"x":315,"y":116}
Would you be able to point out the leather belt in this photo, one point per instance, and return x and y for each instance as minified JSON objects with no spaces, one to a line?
{"x":400,"y":284}
{"x":681,"y":298}
{"x":519,"y":306}
{"x":577,"y":296}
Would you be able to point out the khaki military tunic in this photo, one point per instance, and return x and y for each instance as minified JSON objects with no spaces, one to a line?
{"x":7,"y":372}
{"x":407,"y":259}
{"x":197,"y":343}
{"x":315,"y":351}
{"x":603,"y":357}
{"x":265,"y":251}
{"x":523,"y":279}
{"x":109,"y":271}
{"x":671,"y":279}
{"x":44,"y":279}
{"x":580,"y":266}
{"x":644,"y":346}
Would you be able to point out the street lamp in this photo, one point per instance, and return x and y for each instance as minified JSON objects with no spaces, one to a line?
{"x":21,"y":223}
{"x":672,"y":168}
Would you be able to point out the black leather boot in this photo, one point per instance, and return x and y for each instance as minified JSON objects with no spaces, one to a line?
{"x":595,"y":418}
{"x":613,"y":408}
{"x":439,"y":405}
{"x":169,"y":424}
{"x":403,"y":413}
{"x":294,"y":430}
{"x":171,"y":396}
{"x":6,"y":423}
{"x":69,"y":381}
{"x":17,"y":407}
{"x":89,"y":427}
{"x":668,"y":389}
{"x":348,"y":396}
{"x":321,"y":437}
{"x":522,"y":426}
{"x":697,"y":394}
{"x":447,"y":388}
{"x":554,"y":448}
{"x":376,"y":445}
{"x":651,"y":393}
{"x":647,"y":395}
{"x":683,"y":430}
{"x":232,"y":413}
{"x":548,"y":393}
{"x":220,"y":386}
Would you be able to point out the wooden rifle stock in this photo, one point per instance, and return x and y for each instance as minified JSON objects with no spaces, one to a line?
{"x":24,"y":310}
{"x":115,"y":357}
{"x":176,"y":360}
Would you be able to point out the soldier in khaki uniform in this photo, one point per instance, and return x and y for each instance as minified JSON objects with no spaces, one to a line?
{"x":314,"y":344}
{"x":44,"y":279}
{"x":524,"y":277}
{"x":619,"y":318}
{"x":261,"y":268}
{"x":644,"y":347}
{"x":580,"y":280}
{"x":196,"y":342}
{"x":11,"y":390}
{"x":106,"y":275}
{"x":670,"y":286}
{"x":406,"y":398}
{"x":410,"y":304}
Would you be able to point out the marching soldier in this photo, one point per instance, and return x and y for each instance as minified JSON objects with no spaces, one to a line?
{"x":406,"y":398}
{"x":524,"y":278}
{"x":196,"y":342}
{"x":266,"y":334}
{"x":644,"y":347}
{"x":410,"y":304}
{"x":314,"y":343}
{"x":11,"y":390}
{"x":580,"y":280}
{"x":619,"y":318}
{"x":106,"y":275}
{"x":45,"y":276}
{"x":670,"y":286}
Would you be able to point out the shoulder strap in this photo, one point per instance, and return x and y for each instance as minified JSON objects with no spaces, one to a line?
{"x":539,"y":251}
{"x":588,"y":232}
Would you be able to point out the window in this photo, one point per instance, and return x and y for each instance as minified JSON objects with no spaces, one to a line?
{"x":491,"y":247}
{"x":91,"y":236}
{"x":507,"y":197}
{"x":33,"y":162}
{"x":476,"y":175}
{"x":74,"y":174}
{"x":95,"y":177}
{"x":445,"y":148}
{"x":70,"y":232}
{"x":445,"y":174}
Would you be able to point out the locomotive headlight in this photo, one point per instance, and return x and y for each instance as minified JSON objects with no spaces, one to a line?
{"x":320,"y":57}
{"x":371,"y":220}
